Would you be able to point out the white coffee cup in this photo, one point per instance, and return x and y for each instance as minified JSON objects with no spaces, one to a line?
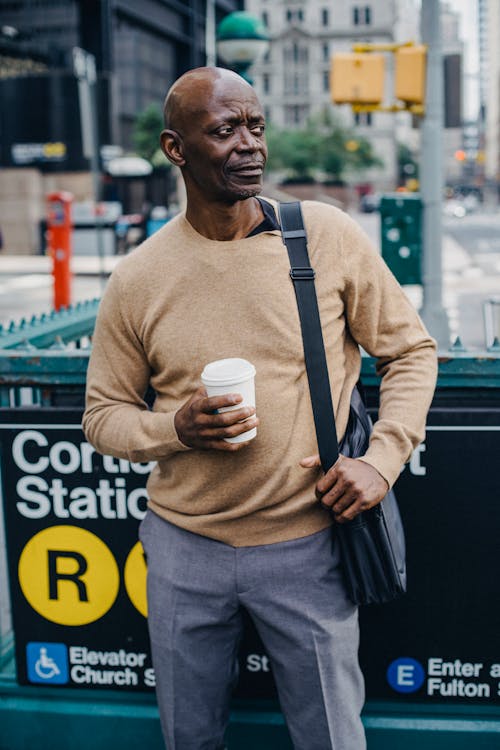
{"x":233,"y":375}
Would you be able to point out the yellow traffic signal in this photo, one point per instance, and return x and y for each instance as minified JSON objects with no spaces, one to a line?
{"x":357,"y":78}
{"x":409,"y":83}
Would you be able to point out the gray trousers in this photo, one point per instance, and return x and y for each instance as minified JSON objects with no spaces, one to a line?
{"x":294,"y":594}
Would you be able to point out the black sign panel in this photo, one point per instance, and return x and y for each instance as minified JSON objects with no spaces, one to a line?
{"x":439,"y":643}
{"x":78,"y":573}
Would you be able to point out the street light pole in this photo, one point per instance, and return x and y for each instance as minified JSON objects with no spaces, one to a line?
{"x":85,"y":72}
{"x":241,"y":40}
{"x":210,"y":43}
{"x":431,"y":177}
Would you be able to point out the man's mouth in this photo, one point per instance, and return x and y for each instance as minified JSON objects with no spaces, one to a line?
{"x":249,"y":170}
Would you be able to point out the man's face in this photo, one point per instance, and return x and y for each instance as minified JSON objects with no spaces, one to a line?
{"x":223,"y":142}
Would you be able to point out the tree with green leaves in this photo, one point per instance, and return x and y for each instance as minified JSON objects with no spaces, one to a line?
{"x":322,"y":145}
{"x":146,"y":134}
{"x":407,"y":164}
{"x":293,"y":150}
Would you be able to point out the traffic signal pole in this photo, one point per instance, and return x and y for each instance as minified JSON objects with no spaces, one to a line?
{"x":431,"y":178}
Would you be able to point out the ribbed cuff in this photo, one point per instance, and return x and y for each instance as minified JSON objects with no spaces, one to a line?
{"x":157,"y":439}
{"x":387,"y":469}
{"x":172,"y":443}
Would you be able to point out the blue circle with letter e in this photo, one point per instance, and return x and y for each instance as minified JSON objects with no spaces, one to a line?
{"x":405,"y":675}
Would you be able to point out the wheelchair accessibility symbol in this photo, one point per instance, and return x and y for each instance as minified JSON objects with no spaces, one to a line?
{"x":47,"y":663}
{"x":45,"y":667}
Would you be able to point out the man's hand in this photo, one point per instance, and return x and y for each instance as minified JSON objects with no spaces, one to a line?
{"x":349,"y":486}
{"x":198,"y":426}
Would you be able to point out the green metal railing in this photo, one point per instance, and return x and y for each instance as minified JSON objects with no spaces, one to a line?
{"x":46,"y":355}
{"x":53,"y":330}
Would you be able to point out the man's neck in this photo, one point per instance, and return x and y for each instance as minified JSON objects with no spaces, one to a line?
{"x":225,"y":222}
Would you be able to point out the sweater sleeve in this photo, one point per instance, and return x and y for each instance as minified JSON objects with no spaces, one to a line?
{"x":117,"y":420}
{"x":382,"y":320}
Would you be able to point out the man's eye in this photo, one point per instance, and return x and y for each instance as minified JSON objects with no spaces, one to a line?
{"x":258,"y":129}
{"x":225,"y":131}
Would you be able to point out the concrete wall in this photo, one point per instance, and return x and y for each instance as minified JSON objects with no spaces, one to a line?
{"x":22,"y":204}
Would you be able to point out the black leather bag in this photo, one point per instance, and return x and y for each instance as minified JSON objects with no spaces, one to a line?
{"x":372,"y":545}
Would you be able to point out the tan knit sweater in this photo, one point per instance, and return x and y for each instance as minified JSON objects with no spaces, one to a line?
{"x":181,"y":300}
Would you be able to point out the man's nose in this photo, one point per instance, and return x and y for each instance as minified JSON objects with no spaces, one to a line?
{"x":247,"y":141}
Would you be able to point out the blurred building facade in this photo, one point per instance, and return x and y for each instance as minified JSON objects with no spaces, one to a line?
{"x":489,"y":76}
{"x":292,"y":81}
{"x":453,"y":50}
{"x":139,"y":48}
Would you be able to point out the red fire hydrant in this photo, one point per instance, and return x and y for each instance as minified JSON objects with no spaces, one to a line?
{"x":59,"y":228}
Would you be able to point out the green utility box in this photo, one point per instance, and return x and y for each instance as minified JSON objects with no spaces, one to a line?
{"x":401,"y":227}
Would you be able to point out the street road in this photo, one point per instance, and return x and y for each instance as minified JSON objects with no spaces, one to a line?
{"x":31,"y":294}
{"x":471,"y":270}
{"x":471,"y":264}
{"x":479,"y":235}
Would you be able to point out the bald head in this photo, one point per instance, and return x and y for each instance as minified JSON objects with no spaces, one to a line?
{"x":215,"y":134}
{"x":191,"y":93}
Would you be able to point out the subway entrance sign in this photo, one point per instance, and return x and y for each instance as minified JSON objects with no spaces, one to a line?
{"x":77,"y":572}
{"x":439,"y":644}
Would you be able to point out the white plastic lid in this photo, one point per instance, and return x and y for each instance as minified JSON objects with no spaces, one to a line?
{"x":227,"y":371}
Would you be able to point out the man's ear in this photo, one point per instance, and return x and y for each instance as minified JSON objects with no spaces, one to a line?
{"x":171,"y":145}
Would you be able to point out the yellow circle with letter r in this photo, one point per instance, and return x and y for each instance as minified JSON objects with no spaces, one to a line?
{"x":135,"y":578}
{"x":68,"y":575}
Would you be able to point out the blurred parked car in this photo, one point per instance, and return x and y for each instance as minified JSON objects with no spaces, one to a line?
{"x":157,"y":218}
{"x":369,"y":203}
{"x":454,"y":208}
{"x":130,"y":231}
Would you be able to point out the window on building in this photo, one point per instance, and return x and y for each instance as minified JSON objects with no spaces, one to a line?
{"x":295,"y":55}
{"x":326,"y":51}
{"x":363,"y":118}
{"x":265,"y":18}
{"x":295,"y":15}
{"x":326,"y":81}
{"x":296,"y":114}
{"x":266,"y":83}
{"x":325,"y":17}
{"x":361,"y":15}
{"x":267,"y":56}
{"x":295,"y":82}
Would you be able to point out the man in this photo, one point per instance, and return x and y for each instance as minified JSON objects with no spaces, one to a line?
{"x":249,"y":525}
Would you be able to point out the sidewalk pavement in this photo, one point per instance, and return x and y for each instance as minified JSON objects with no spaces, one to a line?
{"x":81,"y":265}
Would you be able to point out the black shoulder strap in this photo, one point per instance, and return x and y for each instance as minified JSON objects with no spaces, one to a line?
{"x":302,"y":275}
